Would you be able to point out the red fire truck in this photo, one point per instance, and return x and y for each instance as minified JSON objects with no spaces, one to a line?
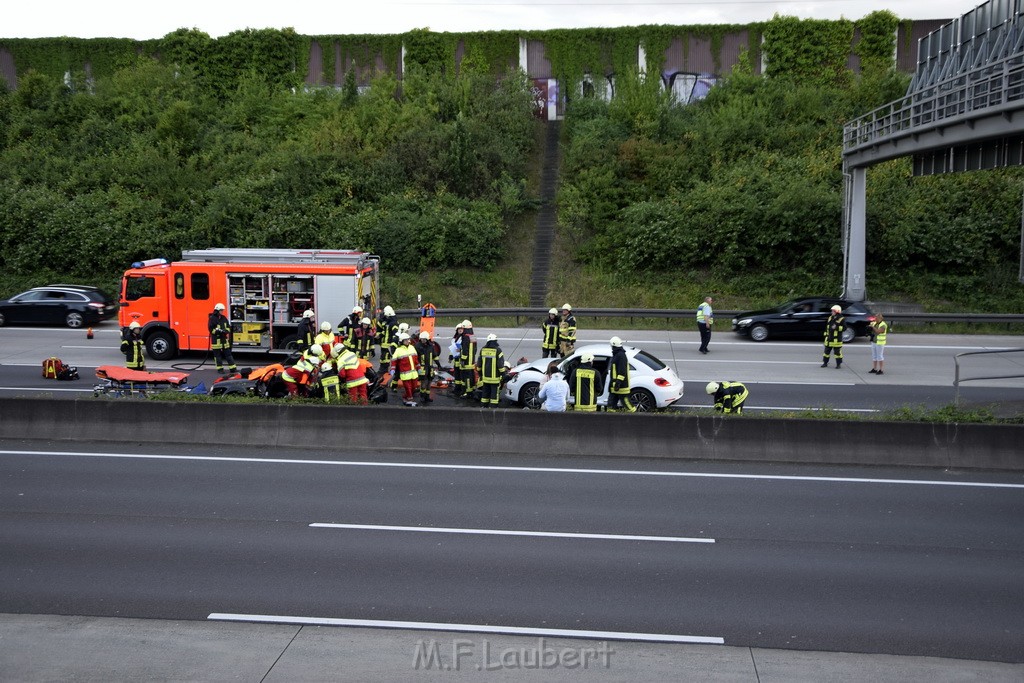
{"x":265,"y":291}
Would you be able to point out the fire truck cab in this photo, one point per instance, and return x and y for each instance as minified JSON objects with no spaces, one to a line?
{"x":265,"y":291}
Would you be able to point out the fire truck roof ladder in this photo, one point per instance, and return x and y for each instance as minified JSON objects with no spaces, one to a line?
{"x":353,"y":258}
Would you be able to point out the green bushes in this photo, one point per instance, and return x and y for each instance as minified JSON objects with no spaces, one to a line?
{"x":750,"y":181}
{"x":151,"y":162}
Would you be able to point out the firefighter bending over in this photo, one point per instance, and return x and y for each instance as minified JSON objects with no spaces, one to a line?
{"x":729,"y":396}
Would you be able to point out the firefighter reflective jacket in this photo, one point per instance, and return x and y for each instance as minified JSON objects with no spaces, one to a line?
{"x":586,"y":384}
{"x":220,"y":331}
{"x":834,"y":327}
{"x":619,"y":371}
{"x":405,"y":362}
{"x":305,"y":334}
{"x":550,"y":328}
{"x":131,"y":347}
{"x":491,"y":363}
{"x":330,"y":381}
{"x":568,"y":332}
{"x":730,"y":397}
{"x":467,"y":352}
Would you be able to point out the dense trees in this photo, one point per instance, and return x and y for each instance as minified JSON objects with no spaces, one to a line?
{"x":153,"y":159}
{"x":749,"y":182}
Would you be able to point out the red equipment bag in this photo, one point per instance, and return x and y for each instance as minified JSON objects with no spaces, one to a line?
{"x":52,"y":367}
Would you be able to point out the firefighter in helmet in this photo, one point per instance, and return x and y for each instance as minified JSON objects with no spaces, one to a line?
{"x":220,"y":339}
{"x":729,"y":396}
{"x":132,"y":346}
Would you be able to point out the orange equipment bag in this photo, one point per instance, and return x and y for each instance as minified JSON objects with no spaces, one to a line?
{"x":52,"y":367}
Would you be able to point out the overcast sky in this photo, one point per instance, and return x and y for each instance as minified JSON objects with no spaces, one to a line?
{"x":143,"y":20}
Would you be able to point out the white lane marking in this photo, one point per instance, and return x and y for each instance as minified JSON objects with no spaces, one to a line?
{"x":510,"y":532}
{"x":510,"y":468}
{"x":89,"y":346}
{"x":467,"y":628}
{"x":680,"y":406}
{"x":41,"y":389}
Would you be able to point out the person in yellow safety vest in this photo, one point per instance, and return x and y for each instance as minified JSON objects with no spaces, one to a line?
{"x":305,"y":331}
{"x":549,"y":345}
{"x":834,"y":327}
{"x":330,"y":382}
{"x":405,"y":364}
{"x":429,"y":352}
{"x":297,"y":377}
{"x":491,"y":364}
{"x":347,"y":326}
{"x":705,"y":319}
{"x":132,"y":346}
{"x":618,"y":369}
{"x":586,"y":384}
{"x":728,"y":396}
{"x":465,"y":366}
{"x":567,"y":332}
{"x":220,"y":339}
{"x":879,"y":332}
{"x":355,"y":377}
{"x":325,"y":339}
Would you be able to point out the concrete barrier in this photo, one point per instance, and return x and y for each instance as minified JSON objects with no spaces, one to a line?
{"x":486,"y":432}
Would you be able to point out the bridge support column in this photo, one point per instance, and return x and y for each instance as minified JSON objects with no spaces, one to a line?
{"x":855,"y":244}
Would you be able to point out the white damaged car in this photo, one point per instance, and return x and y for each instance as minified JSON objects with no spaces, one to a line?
{"x":653,"y":385}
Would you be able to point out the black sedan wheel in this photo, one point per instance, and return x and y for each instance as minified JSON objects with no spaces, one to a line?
{"x":759,"y":332}
{"x":74,"y":319}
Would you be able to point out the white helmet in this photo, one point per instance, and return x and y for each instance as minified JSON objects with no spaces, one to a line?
{"x":553,"y":311}
{"x":325,"y":326}
{"x":403,"y":327}
{"x":587,"y":358}
{"x":388,"y":311}
{"x":337,"y":349}
{"x":837,"y":309}
{"x":325,"y":366}
{"x":135,"y":325}
{"x":402,"y":336}
{"x":424,"y":335}
{"x":492,"y":337}
{"x":308,"y":313}
{"x":317,"y":350}
{"x":615,"y":341}
{"x":465,"y":323}
{"x":566,"y":307}
{"x":357,"y":309}
{"x":364,"y":321}
{"x":712,"y":387}
{"x":219,"y":307}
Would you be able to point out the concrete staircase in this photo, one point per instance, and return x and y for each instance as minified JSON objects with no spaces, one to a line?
{"x":546,"y":217}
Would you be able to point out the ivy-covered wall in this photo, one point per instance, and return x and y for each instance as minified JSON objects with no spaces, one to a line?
{"x":814,"y":50}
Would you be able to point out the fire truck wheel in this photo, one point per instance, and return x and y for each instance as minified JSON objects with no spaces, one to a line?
{"x":160,"y":345}
{"x":290,"y":343}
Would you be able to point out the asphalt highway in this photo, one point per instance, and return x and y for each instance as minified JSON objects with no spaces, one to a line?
{"x":782,"y":376}
{"x":815,"y":558}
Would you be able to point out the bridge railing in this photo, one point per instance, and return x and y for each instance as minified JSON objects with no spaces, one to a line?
{"x":992,"y":87}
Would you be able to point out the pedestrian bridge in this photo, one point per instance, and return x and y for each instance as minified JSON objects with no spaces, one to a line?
{"x":963,"y":111}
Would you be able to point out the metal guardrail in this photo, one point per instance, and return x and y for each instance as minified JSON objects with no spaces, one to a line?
{"x":957,"y":379}
{"x":676,"y":313}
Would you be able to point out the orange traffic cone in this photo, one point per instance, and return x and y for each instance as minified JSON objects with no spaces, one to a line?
{"x":88,"y":333}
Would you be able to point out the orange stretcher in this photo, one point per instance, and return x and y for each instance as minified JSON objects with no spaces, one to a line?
{"x":118,"y":381}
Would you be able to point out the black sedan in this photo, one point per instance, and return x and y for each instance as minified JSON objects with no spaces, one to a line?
{"x":71,"y":305}
{"x":804,"y":319}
